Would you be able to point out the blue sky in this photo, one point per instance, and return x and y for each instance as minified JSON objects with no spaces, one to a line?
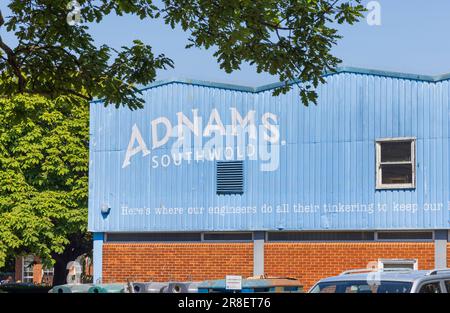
{"x":413,"y":37}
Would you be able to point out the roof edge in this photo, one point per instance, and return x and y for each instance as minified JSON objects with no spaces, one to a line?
{"x":339,"y":70}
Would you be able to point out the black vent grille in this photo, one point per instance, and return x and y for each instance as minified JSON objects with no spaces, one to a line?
{"x":230,"y":177}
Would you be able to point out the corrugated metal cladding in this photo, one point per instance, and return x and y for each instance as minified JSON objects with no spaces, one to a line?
{"x":326,"y":174}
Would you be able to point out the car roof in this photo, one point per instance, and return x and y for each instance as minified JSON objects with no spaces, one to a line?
{"x":404,"y":276}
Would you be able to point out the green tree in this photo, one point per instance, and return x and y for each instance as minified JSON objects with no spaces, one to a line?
{"x":43,"y":178}
{"x":53,"y":69}
{"x":291,"y":39}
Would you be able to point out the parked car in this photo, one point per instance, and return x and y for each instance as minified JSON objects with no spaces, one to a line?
{"x":398,"y":280}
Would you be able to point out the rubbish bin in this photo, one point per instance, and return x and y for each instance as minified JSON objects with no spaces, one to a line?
{"x":182,"y":287}
{"x":154,"y":287}
{"x":71,"y":288}
{"x":107,"y":288}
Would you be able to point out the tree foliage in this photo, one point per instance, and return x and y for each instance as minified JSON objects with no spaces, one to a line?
{"x":291,"y":39}
{"x":43,"y":173}
{"x":54,"y":58}
{"x":53,"y":69}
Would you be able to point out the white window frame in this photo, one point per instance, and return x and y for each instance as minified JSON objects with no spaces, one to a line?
{"x":379,"y":182}
{"x":48,"y":271}
{"x":47,"y":275}
{"x":413,"y":262}
{"x":27,"y":278}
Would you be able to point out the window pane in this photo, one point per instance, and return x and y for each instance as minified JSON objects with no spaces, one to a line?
{"x":396,"y":173}
{"x":430,"y":288}
{"x":405,"y":235}
{"x":227,"y":236}
{"x":398,"y":265}
{"x":325,"y":289}
{"x":362,"y":287}
{"x":28,"y":269}
{"x":447,"y":285}
{"x":321,"y":236}
{"x":395,"y":151}
{"x":152,"y":237}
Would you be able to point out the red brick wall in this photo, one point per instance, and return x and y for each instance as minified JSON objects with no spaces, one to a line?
{"x":18,"y":268}
{"x":37,"y":271}
{"x":310,"y":262}
{"x":448,"y":255}
{"x":175,"y":261}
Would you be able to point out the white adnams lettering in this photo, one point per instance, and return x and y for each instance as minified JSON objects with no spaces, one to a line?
{"x":243,"y":138}
{"x":132,"y":150}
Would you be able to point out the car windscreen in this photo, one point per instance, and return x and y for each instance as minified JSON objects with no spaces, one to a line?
{"x":362,"y":287}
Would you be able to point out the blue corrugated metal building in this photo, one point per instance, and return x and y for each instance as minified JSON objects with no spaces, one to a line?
{"x":369,"y":162}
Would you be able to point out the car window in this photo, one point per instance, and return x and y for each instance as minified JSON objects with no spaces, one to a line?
{"x":430,"y":288}
{"x":362,"y":287}
{"x":328,"y":289}
{"x":447,"y":285}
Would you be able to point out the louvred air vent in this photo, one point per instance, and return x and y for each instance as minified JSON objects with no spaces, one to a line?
{"x":230,"y":177}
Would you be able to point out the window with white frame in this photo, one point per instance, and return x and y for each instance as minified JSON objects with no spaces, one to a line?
{"x":398,"y":263}
{"x":27,"y":269}
{"x":47,"y":275}
{"x":48,"y":271}
{"x":396,"y":163}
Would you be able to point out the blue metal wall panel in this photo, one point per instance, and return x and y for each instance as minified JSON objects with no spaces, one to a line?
{"x":328,"y":158}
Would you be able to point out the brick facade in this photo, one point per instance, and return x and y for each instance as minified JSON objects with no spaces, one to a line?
{"x":307,"y":262}
{"x":39,"y":277}
{"x":18,"y":268}
{"x":175,"y":261}
{"x":310,"y":262}
{"x":37,"y":271}
{"x":448,"y":255}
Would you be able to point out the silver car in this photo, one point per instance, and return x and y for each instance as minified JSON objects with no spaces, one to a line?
{"x":398,"y":280}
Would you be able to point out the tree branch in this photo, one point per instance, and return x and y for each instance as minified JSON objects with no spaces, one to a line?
{"x":64,"y":90}
{"x":12,"y":59}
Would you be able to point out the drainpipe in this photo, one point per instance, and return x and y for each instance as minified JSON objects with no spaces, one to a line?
{"x":98,"y":258}
{"x":441,"y":237}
